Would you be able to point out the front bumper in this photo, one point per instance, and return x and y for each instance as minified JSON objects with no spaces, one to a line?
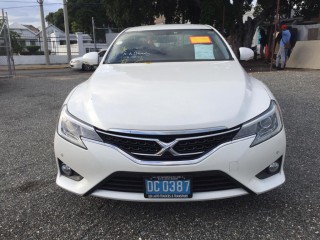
{"x":76,"y":65}
{"x":236,"y":159}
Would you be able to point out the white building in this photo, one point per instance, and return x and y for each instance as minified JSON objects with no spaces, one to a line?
{"x":80,"y":44}
{"x":27,"y":37}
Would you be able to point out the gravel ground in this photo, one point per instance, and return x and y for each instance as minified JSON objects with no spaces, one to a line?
{"x":33,"y":207}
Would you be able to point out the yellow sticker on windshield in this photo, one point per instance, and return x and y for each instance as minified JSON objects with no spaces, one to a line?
{"x":200,"y":39}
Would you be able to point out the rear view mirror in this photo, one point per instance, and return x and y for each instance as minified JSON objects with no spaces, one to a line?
{"x":246,"y":53}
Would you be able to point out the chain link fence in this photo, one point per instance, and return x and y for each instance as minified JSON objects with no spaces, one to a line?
{"x":7,"y":68}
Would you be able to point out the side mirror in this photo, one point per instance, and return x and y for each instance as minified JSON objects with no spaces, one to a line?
{"x":246,"y":53}
{"x":91,"y":58}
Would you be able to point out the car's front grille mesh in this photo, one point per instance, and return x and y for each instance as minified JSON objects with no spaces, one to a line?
{"x":167,"y":147}
{"x":131,"y":145}
{"x":201,"y":181}
{"x":202,"y":144}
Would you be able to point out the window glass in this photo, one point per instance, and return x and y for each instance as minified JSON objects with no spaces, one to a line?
{"x":168,"y":46}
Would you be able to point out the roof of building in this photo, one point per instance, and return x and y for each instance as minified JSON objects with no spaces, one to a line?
{"x":16,"y":25}
{"x":32,"y":28}
{"x":24,"y":32}
{"x":50,"y":26}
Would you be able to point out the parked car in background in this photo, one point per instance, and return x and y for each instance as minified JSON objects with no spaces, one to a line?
{"x":170,"y":115}
{"x":81,"y":63}
{"x":76,"y":63}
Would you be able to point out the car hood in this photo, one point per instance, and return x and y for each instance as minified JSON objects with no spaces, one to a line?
{"x":169,"y":96}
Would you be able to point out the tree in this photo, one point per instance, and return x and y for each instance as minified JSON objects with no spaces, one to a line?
{"x":168,"y":9}
{"x":129,"y":13}
{"x":307,"y":9}
{"x":242,"y":32}
{"x":33,"y":49}
{"x":225,"y":15}
{"x":16,"y":45}
{"x":265,"y":11}
{"x":75,"y":27}
{"x":56,"y":18}
{"x":81,"y":12}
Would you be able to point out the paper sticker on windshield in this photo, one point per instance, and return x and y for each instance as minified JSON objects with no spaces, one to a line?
{"x":200,"y":39}
{"x":203,"y":51}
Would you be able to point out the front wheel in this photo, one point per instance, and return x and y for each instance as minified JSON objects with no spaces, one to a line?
{"x":86,"y":67}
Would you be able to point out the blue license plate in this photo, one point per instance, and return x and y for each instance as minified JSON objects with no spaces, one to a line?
{"x":168,"y":187}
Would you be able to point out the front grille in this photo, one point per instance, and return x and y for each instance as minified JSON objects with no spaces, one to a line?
{"x":204,"y":144}
{"x":201,"y":181}
{"x":170,"y":147}
{"x":131,"y":145}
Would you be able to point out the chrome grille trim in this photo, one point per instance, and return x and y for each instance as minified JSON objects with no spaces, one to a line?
{"x":160,"y":150}
{"x":168,"y":132}
{"x":169,"y":163}
{"x":172,"y":133}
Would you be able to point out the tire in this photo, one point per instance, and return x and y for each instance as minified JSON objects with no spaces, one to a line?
{"x":90,"y":68}
{"x":86,"y":67}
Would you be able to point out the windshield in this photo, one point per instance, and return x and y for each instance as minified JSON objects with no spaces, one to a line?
{"x":168,"y":46}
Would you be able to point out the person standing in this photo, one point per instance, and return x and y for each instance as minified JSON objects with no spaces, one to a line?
{"x":263,"y":42}
{"x":284,"y":47}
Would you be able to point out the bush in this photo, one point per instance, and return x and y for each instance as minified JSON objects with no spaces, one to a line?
{"x":29,"y":53}
{"x":33,"y":49}
{"x":35,"y":53}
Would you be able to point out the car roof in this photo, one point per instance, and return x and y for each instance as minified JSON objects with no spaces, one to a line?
{"x":168,"y":27}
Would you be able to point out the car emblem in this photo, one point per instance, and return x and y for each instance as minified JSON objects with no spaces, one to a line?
{"x":167,"y":147}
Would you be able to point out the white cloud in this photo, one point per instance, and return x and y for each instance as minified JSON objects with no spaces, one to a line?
{"x":28,"y":11}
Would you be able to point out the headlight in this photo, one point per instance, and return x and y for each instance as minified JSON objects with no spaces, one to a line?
{"x":264,"y":126}
{"x":73,"y":130}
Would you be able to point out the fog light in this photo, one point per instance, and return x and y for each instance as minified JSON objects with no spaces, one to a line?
{"x":66,"y":170}
{"x":274,"y":167}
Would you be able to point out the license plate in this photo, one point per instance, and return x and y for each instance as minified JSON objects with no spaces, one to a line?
{"x":168,"y":187}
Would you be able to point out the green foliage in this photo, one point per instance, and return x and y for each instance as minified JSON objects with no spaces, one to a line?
{"x":16,"y":42}
{"x":75,"y":27}
{"x":227,"y":17}
{"x":33,"y":49}
{"x":169,"y":9}
{"x":128,"y":13}
{"x":56,"y":18}
{"x":307,"y":8}
{"x":80,"y":14}
{"x":35,"y":53}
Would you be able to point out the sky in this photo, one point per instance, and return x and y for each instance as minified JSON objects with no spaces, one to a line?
{"x":27,"y":12}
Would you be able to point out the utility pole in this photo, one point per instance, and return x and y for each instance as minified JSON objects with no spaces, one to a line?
{"x":44,"y":33}
{"x":94,"y":35}
{"x":276,"y":22}
{"x":6,"y":40}
{"x":10,"y":46}
{"x":66,"y":29}
{"x":223,"y":18}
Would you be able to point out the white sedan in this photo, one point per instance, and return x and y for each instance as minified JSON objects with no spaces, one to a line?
{"x":80,"y":64}
{"x":170,"y":115}
{"x":76,"y":63}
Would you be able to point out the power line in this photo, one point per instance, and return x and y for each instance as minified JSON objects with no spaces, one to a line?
{"x":16,"y":1}
{"x":10,"y":1}
{"x":32,"y":5}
